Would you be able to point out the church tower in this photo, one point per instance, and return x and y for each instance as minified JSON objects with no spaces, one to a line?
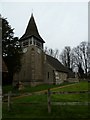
{"x":33,"y":56}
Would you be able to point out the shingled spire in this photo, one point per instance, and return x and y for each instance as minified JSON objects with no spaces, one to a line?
{"x":32,"y":30}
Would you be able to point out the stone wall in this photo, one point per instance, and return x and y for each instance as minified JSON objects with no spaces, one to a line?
{"x":52,"y":76}
{"x":49,"y":77}
{"x":32,"y":67}
{"x":73,"y":80}
{"x":62,"y":77}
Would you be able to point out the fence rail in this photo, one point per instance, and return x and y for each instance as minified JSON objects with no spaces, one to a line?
{"x":49,"y":103}
{"x":72,"y":92}
{"x":46,"y":92}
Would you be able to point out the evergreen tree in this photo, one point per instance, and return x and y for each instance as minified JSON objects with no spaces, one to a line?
{"x":10,"y":49}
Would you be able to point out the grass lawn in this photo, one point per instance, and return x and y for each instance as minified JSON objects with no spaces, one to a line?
{"x":24,"y":108}
{"x":31,"y":89}
{"x":37,"y":111}
{"x":76,"y":87}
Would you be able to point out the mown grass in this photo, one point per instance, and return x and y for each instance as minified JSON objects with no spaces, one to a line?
{"x":81,"y":86}
{"x":7,"y":88}
{"x":54,"y":98}
{"x":30,"y":89}
{"x":30,"y":110}
{"x":37,"y":111}
{"x":33,"y":98}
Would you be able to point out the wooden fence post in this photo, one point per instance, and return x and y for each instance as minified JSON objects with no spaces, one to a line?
{"x":49,"y":101}
{"x":9,"y":100}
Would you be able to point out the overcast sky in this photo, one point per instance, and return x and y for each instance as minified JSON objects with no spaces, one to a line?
{"x":59,"y":24}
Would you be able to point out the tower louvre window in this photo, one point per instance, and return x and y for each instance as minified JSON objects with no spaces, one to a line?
{"x":34,"y":42}
{"x":25,"y":43}
{"x":38,"y":44}
{"x":30,"y":42}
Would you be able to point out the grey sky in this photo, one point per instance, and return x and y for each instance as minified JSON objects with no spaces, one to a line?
{"x":59,"y":24}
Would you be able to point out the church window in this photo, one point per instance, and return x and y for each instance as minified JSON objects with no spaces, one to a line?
{"x":48,"y":75}
{"x":34,"y":42}
{"x":38,"y":44}
{"x":30,"y":42}
{"x":25,"y":43}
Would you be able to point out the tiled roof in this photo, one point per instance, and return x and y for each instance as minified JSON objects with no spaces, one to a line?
{"x":59,"y":66}
{"x":56,"y":64}
{"x":32,"y":30}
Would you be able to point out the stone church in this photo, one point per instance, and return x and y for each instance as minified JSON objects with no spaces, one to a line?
{"x":38,"y":67}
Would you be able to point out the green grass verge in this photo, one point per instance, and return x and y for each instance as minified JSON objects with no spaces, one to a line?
{"x":30,"y":89}
{"x":35,"y":111}
{"x":76,"y":87}
{"x":23,"y":111}
{"x":54,"y":98}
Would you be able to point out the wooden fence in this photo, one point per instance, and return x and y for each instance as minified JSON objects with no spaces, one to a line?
{"x":49,"y":103}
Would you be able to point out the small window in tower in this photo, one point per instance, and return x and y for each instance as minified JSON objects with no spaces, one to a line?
{"x":38,"y":44}
{"x":30,"y":42}
{"x":25,"y":43}
{"x":34,"y":42}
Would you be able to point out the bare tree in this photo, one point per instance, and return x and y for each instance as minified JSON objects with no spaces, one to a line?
{"x":80,"y":71}
{"x":88,"y":56}
{"x":84,"y":52}
{"x":56,"y":53}
{"x":65,"y":56}
{"x":46,"y":50}
{"x":79,"y":55}
{"x":51,"y":52}
{"x":77,"y":58}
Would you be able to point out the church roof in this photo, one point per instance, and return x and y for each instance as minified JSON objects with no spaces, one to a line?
{"x":55,"y":63}
{"x":32,"y":30}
